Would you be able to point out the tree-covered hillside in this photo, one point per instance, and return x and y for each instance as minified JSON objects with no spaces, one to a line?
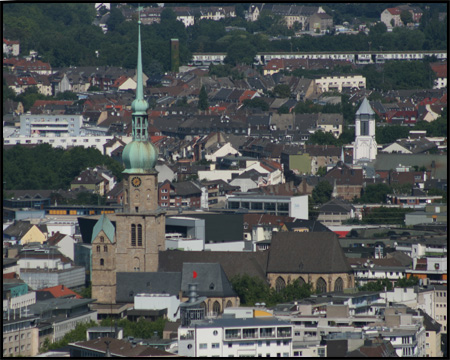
{"x":45,"y":167}
{"x":64,"y":34}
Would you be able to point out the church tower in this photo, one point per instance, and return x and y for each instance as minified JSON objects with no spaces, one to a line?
{"x":140,"y":228}
{"x":365,"y":148}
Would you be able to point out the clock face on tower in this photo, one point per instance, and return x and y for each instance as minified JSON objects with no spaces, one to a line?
{"x":136,"y":182}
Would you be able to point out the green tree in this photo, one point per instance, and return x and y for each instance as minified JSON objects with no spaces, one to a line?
{"x":282,"y":90}
{"x":256,"y":103}
{"x":322,"y":138}
{"x":322,"y":192}
{"x":407,"y":282}
{"x":115,"y":18}
{"x":66,"y":95}
{"x":321,"y":171}
{"x":283,"y":110}
{"x":203,"y":99}
{"x":378,"y":285}
{"x":375,"y":193}
{"x":406,"y":17}
{"x":389,"y":134}
{"x":240,"y":52}
{"x":250,"y":289}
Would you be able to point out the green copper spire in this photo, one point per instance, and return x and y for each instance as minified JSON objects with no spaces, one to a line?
{"x":140,"y":105}
{"x":140,"y":155}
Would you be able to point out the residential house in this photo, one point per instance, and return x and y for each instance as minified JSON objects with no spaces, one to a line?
{"x":335,"y":212}
{"x":331,"y":123}
{"x":90,"y":180}
{"x":64,"y":243}
{"x":25,"y":232}
{"x":320,"y":22}
{"x":11,"y":47}
{"x":440,"y":69}
{"x":347,"y":181}
{"x":56,"y":292}
{"x":391,"y":17}
{"x":180,"y":194}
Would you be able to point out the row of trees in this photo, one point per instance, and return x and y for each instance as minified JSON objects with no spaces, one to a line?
{"x":45,"y":167}
{"x":382,"y":284}
{"x":140,"y":329}
{"x":252,"y":290}
{"x":64,"y":35}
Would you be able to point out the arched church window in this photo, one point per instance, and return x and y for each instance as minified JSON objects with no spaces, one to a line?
{"x":301,"y":281}
{"x":139,"y":227}
{"x":102,"y":262}
{"x":216,"y":308}
{"x":280,"y":284}
{"x":98,"y":248}
{"x":339,"y":285}
{"x":321,"y":285}
{"x":105,"y":248}
{"x":133,"y":235}
{"x":102,"y":239}
{"x":229,"y":304}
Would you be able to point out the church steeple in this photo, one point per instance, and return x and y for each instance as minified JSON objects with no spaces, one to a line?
{"x":140,"y":155}
{"x":139,"y":105}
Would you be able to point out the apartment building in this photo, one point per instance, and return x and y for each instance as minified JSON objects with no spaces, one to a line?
{"x":231,"y":337}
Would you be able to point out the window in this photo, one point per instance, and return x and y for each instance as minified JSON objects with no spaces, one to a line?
{"x":139,"y":235}
{"x":280,"y":284}
{"x":133,"y":235}
{"x":203,"y":346}
{"x":339,"y":285}
{"x":105,"y":248}
{"x":321,"y":285}
{"x":102,"y":262}
{"x":102,"y":239}
{"x":215,"y":332}
{"x":215,"y":345}
{"x":98,"y":248}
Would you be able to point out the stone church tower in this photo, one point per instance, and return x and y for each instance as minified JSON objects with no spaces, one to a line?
{"x":140,"y":229}
{"x":365,"y":148}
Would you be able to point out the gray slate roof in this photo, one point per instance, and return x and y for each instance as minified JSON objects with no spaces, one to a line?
{"x":211,"y":279}
{"x":131,"y":283}
{"x":295,"y":252}
{"x":233,"y":262}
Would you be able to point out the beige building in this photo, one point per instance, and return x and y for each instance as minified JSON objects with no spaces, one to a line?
{"x":20,"y":337}
{"x":433,"y":300}
{"x":337,"y":83}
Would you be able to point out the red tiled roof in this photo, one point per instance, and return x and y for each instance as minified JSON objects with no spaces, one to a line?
{"x":440,"y":70}
{"x":10,"y":42}
{"x":61,"y":290}
{"x":52,"y":102}
{"x":394,"y":11}
{"x":56,"y":238}
{"x":11,"y":275}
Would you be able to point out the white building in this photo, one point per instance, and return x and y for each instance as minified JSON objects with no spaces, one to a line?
{"x":255,"y":337}
{"x":337,"y":83}
{"x":294,"y":206}
{"x":365,"y":147}
{"x":50,"y":125}
{"x":63,"y":142}
{"x":158,"y":302}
